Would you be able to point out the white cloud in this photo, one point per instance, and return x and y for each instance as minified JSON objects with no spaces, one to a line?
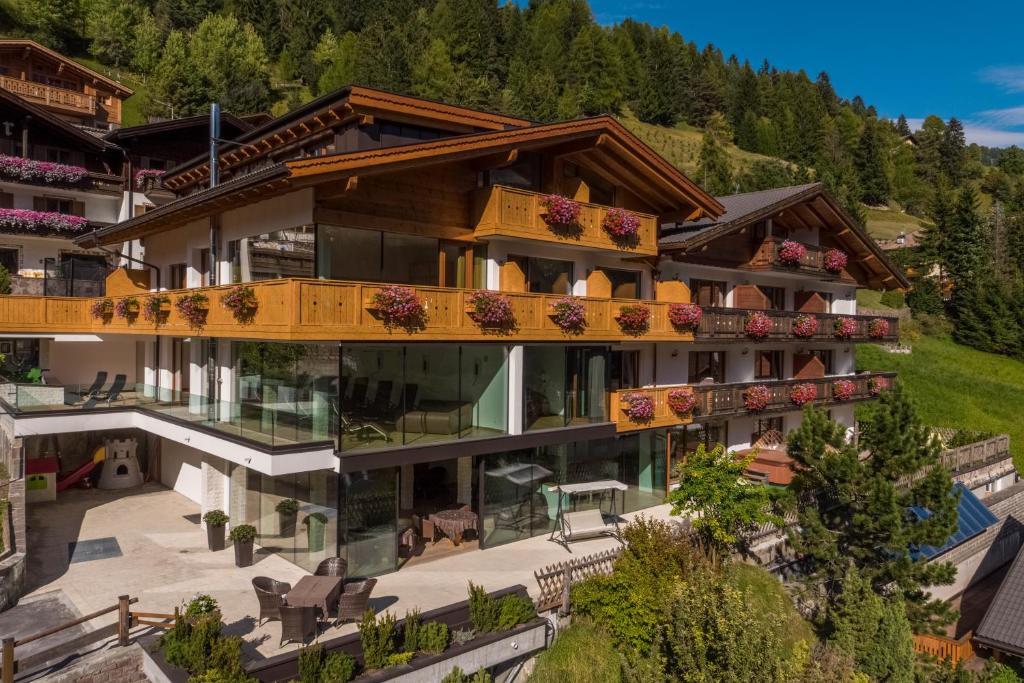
{"x":1009,"y":78}
{"x":994,"y":128}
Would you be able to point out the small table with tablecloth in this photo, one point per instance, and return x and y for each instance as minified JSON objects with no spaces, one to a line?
{"x":322,"y":592}
{"x":453,"y":523}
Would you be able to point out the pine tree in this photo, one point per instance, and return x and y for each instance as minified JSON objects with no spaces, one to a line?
{"x":963,"y":253}
{"x":110,"y":26}
{"x":871,"y":165}
{"x":596,"y":74}
{"x":902,"y":127}
{"x":714,"y":172}
{"x":148,"y":45}
{"x":232,"y":62}
{"x":953,"y":151}
{"x":335,"y":59}
{"x":301,"y":25}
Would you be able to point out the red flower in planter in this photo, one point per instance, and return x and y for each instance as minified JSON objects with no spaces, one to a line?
{"x":491,"y":309}
{"x":878,"y":328}
{"x":152,"y":306}
{"x":791,"y":253}
{"x":835,"y":260}
{"x":193,"y":308}
{"x":569,"y":314}
{"x":803,"y":393}
{"x":685,"y":316}
{"x":877,"y":384}
{"x":126,"y":307}
{"x":622,"y":225}
{"x":843,"y":389}
{"x":634,"y":319}
{"x":561,"y":214}
{"x":805,"y":326}
{"x":758,"y":325}
{"x":102,"y":309}
{"x":756,"y":398}
{"x":400,"y":307}
{"x":242,"y":302}
{"x":639,"y":406}
{"x":682,"y":402}
{"x":844,"y":327}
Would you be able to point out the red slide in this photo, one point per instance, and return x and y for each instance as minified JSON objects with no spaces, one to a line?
{"x":76,"y":476}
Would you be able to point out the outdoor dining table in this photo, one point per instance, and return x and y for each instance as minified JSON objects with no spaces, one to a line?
{"x":316,"y":591}
{"x":453,"y":523}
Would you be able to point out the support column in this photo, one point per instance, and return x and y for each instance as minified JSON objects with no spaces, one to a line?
{"x":464,"y":486}
{"x":216,"y":484}
{"x":515,"y":390}
{"x":405,"y":497}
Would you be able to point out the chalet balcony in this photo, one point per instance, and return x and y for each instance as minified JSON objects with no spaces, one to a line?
{"x":510,"y":212}
{"x":329,"y":310}
{"x":67,"y":100}
{"x":812,"y":262}
{"x":729,"y":324}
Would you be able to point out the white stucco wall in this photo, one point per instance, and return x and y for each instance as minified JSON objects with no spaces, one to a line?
{"x":181,"y":469}
{"x":98,"y":207}
{"x":77,"y":362}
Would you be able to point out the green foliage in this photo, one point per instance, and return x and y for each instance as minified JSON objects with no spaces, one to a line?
{"x":287,"y":506}
{"x":423,"y":637}
{"x":893,"y":298}
{"x":488,"y":614}
{"x":514,"y":610}
{"x":243,"y":533}
{"x":196,"y":645}
{"x":926,"y":297}
{"x":714,"y":172}
{"x":311,"y":662}
{"x":215,"y":518}
{"x":721,"y":503}
{"x":338,"y":667}
{"x":582,"y":653}
{"x":378,"y":639}
{"x":5,"y":281}
{"x":200,"y":605}
{"x":456,"y":675}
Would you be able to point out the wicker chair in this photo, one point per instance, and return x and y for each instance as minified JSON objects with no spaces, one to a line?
{"x":332,"y":566}
{"x":355,"y":600}
{"x":271,"y":594}
{"x":297,"y":623}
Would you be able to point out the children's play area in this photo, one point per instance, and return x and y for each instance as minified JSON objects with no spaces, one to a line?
{"x":110,"y":460}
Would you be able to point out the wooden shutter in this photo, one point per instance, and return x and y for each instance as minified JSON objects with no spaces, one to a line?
{"x":749,"y":296}
{"x":810,"y":302}
{"x":807,"y":366}
{"x":6,"y":200}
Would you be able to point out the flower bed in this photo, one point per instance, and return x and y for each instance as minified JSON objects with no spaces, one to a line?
{"x":491,"y":309}
{"x":634,"y":319}
{"x":758,"y":325}
{"x":835,"y":260}
{"x":844,"y":327}
{"x":639,"y":406}
{"x":800,"y":394}
{"x":843,"y":389}
{"x":569,"y":314}
{"x":242,"y":303}
{"x":791,"y":253}
{"x":101,"y":309}
{"x":400,"y":307}
{"x":146,"y":178}
{"x":153,"y":305}
{"x":878,"y":328}
{"x":685,"y":316}
{"x":43,"y":172}
{"x":756,"y":398}
{"x":682,"y":402}
{"x":193,"y":308}
{"x":805,"y":326}
{"x":561,"y":214}
{"x":40,"y":222}
{"x":126,"y":307}
{"x":623,"y":226}
{"x":877,"y":385}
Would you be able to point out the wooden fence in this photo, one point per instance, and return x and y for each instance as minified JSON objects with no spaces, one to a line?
{"x":945,"y":648}
{"x":555,"y":580}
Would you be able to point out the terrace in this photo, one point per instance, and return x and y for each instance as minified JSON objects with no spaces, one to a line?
{"x":811,"y":262}
{"x":59,"y":98}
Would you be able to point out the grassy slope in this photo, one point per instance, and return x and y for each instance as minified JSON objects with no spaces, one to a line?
{"x":583,"y":653}
{"x":889,"y":223}
{"x":956,"y":386}
{"x":769,"y":597}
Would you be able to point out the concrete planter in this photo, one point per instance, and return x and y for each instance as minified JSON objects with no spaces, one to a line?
{"x":215,"y":538}
{"x":243,"y":553}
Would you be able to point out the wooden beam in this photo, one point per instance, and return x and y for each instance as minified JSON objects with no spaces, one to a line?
{"x":680,"y":216}
{"x":795,"y":216}
{"x":499,"y":160}
{"x":613,"y":170}
{"x":366,"y":120}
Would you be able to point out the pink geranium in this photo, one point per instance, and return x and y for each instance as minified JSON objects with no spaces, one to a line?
{"x":634,"y":319}
{"x":877,"y":384}
{"x":40,"y":222}
{"x":756,"y":398}
{"x":146,"y":177}
{"x":561,"y":213}
{"x":685,"y":316}
{"x":400,"y":307}
{"x":843,"y":389}
{"x":758,"y":325}
{"x":193,"y":308}
{"x":844,"y":327}
{"x":835,"y":260}
{"x":621,"y":224}
{"x":805,"y":326}
{"x":569,"y":314}
{"x":791,"y":253}
{"x":800,"y":394}
{"x":682,"y":401}
{"x":878,"y":328}
{"x":639,"y":406}
{"x":42,"y":172}
{"x":491,"y":309}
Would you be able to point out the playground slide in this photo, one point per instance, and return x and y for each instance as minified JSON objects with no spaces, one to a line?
{"x":76,"y":476}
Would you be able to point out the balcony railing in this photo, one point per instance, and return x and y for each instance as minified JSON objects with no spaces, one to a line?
{"x":812,"y":263}
{"x":76,"y":102}
{"x":331,"y":310}
{"x":510,"y":212}
{"x":664,"y":415}
{"x":724,"y":324}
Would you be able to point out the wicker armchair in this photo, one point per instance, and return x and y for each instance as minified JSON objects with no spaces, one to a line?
{"x":297,"y":623}
{"x":355,"y":600}
{"x":271,"y":594}
{"x":332,"y":566}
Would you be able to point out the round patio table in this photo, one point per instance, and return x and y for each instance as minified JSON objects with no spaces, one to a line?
{"x":453,"y":523}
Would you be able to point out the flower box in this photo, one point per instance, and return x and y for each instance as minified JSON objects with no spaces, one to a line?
{"x":193,"y":308}
{"x":843,"y":389}
{"x":569,"y":314}
{"x":102,"y":309}
{"x":491,"y":310}
{"x":805,"y":326}
{"x":155,"y":306}
{"x":399,"y":307}
{"x":877,"y":385}
{"x":634,"y":319}
{"x":126,"y":307}
{"x":791,"y":253}
{"x":41,"y":172}
{"x":878,"y":328}
{"x":562,"y":215}
{"x":685,"y":316}
{"x":242,"y":302}
{"x":146,"y":179}
{"x":800,"y":394}
{"x":835,"y":260}
{"x":756,"y":398}
{"x":40,"y":222}
{"x":622,"y":226}
{"x":758,"y":326}
{"x":682,"y":402}
{"x":844,"y":328}
{"x":638,"y":406}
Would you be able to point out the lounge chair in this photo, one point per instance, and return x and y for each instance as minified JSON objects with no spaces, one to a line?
{"x":116,"y":387}
{"x":97,"y":384}
{"x":362,"y":429}
{"x":358,"y":397}
{"x":270,"y":594}
{"x":297,"y":623}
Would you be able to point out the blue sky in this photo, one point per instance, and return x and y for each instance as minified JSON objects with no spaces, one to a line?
{"x":961,"y":59}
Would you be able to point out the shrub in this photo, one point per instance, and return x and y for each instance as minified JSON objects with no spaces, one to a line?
{"x":491,"y":309}
{"x":685,"y":316}
{"x":514,"y":610}
{"x":378,"y":639}
{"x":894,"y":298}
{"x":399,"y":658}
{"x":457,"y":676}
{"x":243,"y":533}
{"x":215,"y":518}
{"x":400,"y":307}
{"x":634,"y":319}
{"x":288,"y":506}
{"x":192,"y":308}
{"x":423,"y":637}
{"x":311,"y":661}
{"x":242,"y":302}
{"x":199,"y":605}
{"x":195,"y":644}
{"x":569,"y":314}
{"x":339,"y":667}
{"x":5,"y":281}
{"x":639,"y":406}
{"x":483,"y":609}
{"x":582,"y":653}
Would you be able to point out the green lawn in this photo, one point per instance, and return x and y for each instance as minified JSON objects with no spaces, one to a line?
{"x":582,"y":653}
{"x":956,"y":386}
{"x":889,"y":223}
{"x":769,"y":597}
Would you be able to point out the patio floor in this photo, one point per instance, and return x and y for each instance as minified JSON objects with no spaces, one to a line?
{"x":163,"y":561}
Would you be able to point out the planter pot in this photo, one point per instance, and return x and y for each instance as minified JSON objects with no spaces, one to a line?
{"x":243,"y":554}
{"x":315,"y":535}
{"x":286,"y":524}
{"x":215,"y":538}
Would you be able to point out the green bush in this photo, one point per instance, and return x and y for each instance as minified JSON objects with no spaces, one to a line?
{"x":192,"y":644}
{"x":215,"y":518}
{"x":514,"y":610}
{"x":926,"y":297}
{"x":378,"y":639}
{"x":893,"y":298}
{"x":199,"y":605}
{"x":582,"y":653}
{"x":411,"y":631}
{"x":338,"y":667}
{"x":243,"y":533}
{"x":288,"y":506}
{"x":457,"y":676}
{"x":483,"y":609}
{"x":311,"y":662}
{"x":5,"y":281}
{"x":218,"y":676}
{"x":423,"y":637}
{"x":399,"y":658}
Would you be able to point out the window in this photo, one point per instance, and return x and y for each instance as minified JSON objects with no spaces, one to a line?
{"x":563,"y":386}
{"x":625,"y":283}
{"x":455,"y":264}
{"x":60,"y":156}
{"x":524,"y":174}
{"x":707,"y":292}
{"x":776,"y":297}
{"x":624,"y":370}
{"x":283,"y":253}
{"x":9,"y":259}
{"x":176,"y":276}
{"x":374,"y":256}
{"x":6,"y":200}
{"x":768,"y":365}
{"x":59,"y":205}
{"x":707,"y":364}
{"x":767,"y":426}
{"x":826,"y":358}
{"x":546,"y":276}
{"x":205,"y":268}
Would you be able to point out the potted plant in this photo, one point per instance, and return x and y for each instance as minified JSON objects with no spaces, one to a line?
{"x":756,"y":398}
{"x":805,"y":326}
{"x":639,"y":406}
{"x":758,"y":325}
{"x":685,"y":316}
{"x":878,"y":328}
{"x":153,"y":306}
{"x":569,"y":314}
{"x":491,"y":310}
{"x":102,"y":309}
{"x":562,"y":215}
{"x":316,"y":525}
{"x":242,"y":303}
{"x":844,"y":327}
{"x":126,"y":307}
{"x":803,"y":393}
{"x":193,"y":308}
{"x":286,"y":511}
{"x":242,"y":536}
{"x":634,"y":319}
{"x":835,"y":260}
{"x":623,"y":226}
{"x":791,"y":253}
{"x":400,"y":307}
{"x":682,"y":402}
{"x":843,"y":389}
{"x":215,"y":521}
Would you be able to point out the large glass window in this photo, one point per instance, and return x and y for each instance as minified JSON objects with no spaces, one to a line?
{"x":374,"y":256}
{"x":271,"y":255}
{"x":707,"y":365}
{"x":564,"y":385}
{"x":410,"y":259}
{"x":546,"y":276}
{"x":369,"y":529}
{"x":625,"y":283}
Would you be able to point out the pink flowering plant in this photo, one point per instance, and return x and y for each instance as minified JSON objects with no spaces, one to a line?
{"x":835,"y":260}
{"x":639,"y":406}
{"x":878,"y":328}
{"x":758,"y":325}
{"x":102,"y":309}
{"x":805,"y":326}
{"x":146,"y":178}
{"x":153,"y":306}
{"x":126,"y":307}
{"x":41,"y":172}
{"x":682,"y":402}
{"x":756,"y":398}
{"x":561,"y":214}
{"x":400,"y":308}
{"x":843,"y":389}
{"x":492,"y":310}
{"x":40,"y":222}
{"x":844,"y":327}
{"x":800,"y":394}
{"x":242,"y":302}
{"x":193,"y":308}
{"x":623,"y":226}
{"x":569,"y":314}
{"x":634,"y":319}
{"x":877,"y":385}
{"x":685,"y":316}
{"x":791,"y":253}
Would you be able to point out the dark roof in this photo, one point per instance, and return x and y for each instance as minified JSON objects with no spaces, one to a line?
{"x":1002,"y":627}
{"x":40,"y":114}
{"x":972,"y":519}
{"x":228,"y":120}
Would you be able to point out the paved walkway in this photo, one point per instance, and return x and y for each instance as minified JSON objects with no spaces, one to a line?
{"x":164,"y":562}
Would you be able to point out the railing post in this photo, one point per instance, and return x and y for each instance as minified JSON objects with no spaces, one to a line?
{"x":8,"y":652}
{"x":124,"y":618}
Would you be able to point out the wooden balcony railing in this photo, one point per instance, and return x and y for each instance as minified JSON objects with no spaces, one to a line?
{"x":813,"y":262}
{"x":945,"y":648}
{"x":510,"y":212}
{"x":728,"y":324}
{"x":76,"y":102}
{"x":331,"y":310}
{"x":664,"y":416}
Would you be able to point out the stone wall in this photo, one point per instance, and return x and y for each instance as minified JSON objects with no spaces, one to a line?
{"x":116,"y":665}
{"x":12,"y":559}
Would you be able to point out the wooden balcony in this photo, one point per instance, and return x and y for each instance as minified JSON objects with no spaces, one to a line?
{"x":664,"y":416}
{"x":766,"y":257}
{"x":727,"y":324}
{"x":47,"y":95}
{"x":331,"y":310}
{"x":510,"y":212}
